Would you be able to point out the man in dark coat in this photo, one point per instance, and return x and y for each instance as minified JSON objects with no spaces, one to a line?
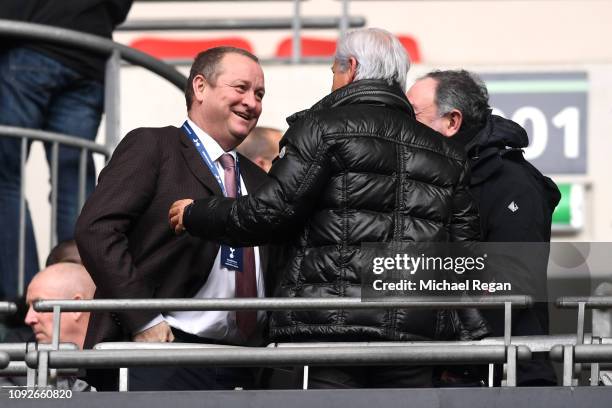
{"x":127,"y":246}
{"x":515,"y":200}
{"x":355,"y":168}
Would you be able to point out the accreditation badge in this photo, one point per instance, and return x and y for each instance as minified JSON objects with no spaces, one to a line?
{"x":231,"y":258}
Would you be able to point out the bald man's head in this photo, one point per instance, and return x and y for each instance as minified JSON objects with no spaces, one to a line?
{"x":261,"y":146}
{"x":60,"y":281}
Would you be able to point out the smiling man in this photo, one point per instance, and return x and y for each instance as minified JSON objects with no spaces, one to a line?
{"x":128,"y":248}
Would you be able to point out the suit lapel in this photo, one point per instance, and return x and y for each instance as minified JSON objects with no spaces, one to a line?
{"x":197,"y":166}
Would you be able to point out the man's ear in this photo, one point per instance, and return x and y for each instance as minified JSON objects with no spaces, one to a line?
{"x":199,"y":84}
{"x":77,"y":315}
{"x":352,"y":68}
{"x":455,"y":119}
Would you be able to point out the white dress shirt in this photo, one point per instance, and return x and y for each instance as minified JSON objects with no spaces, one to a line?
{"x":221,"y":282}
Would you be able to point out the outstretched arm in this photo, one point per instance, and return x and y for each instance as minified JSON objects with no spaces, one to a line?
{"x":280,"y":205}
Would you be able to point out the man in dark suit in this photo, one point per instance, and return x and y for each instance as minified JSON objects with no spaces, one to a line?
{"x":131,"y":252}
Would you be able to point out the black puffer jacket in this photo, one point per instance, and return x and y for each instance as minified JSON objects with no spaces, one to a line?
{"x":356,"y":167}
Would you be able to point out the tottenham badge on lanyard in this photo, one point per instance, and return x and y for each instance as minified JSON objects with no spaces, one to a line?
{"x":231,"y":258}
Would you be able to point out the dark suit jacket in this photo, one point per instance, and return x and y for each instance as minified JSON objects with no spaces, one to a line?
{"x":123,"y":233}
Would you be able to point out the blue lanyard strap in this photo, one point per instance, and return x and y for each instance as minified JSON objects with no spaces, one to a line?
{"x":211,"y":165}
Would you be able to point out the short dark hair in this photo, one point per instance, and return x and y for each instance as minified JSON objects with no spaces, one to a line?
{"x":463,"y":91}
{"x":65,"y":251}
{"x":206,"y":63}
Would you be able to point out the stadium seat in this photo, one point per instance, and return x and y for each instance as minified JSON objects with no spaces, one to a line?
{"x":319,"y":47}
{"x":311,"y":47}
{"x":165,"y":48}
{"x":412,"y":48}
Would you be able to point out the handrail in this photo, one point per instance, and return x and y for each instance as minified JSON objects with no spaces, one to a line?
{"x":255,"y":357}
{"x":590,"y":302}
{"x":7,"y":307}
{"x":276,"y":304}
{"x":4,"y":360}
{"x":274,"y":23}
{"x":582,"y":303}
{"x":39,"y":32}
{"x":17,"y":351}
{"x":20,"y":369}
{"x":146,"y":345}
{"x":534,"y":343}
{"x":585,"y":353}
{"x":45,"y":136}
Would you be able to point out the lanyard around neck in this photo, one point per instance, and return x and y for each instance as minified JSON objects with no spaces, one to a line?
{"x":211,"y":165}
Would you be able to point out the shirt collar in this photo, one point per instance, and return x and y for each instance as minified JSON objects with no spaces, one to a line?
{"x":212,"y":147}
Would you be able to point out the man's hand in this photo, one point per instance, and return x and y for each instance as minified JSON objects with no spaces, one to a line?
{"x":175,"y":215}
{"x":161,"y":332}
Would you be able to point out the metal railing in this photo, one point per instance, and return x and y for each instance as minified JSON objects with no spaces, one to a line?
{"x":208,"y":24}
{"x":56,"y":140}
{"x":573,"y":355}
{"x":103,"y":46}
{"x":261,"y":357}
{"x":507,"y":302}
{"x":296,"y":23}
{"x":582,"y":303}
{"x":8,"y":308}
{"x":508,"y":350}
{"x":119,"y":358}
{"x":115,"y":52}
{"x":17,"y":352}
{"x":4,"y":360}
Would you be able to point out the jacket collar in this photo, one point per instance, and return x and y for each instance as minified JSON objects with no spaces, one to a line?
{"x":365,"y":91}
{"x":498,"y":137}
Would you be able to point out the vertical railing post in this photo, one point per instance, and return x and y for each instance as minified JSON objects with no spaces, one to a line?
{"x":305,"y":378}
{"x":507,"y":323}
{"x":112,"y":106}
{"x":22,"y":217}
{"x":54,"y":187}
{"x":55,"y":339}
{"x":82,"y":176}
{"x":344,"y":18}
{"x":297,"y":38}
{"x":57,"y":319}
{"x":568,"y":365}
{"x":595,"y":366}
{"x":511,"y":353}
{"x":31,"y":373}
{"x":124,"y":379}
{"x":580,"y":323}
{"x":509,"y":366}
{"x":43,"y":368}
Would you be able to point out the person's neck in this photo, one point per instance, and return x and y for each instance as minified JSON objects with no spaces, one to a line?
{"x":225,"y":144}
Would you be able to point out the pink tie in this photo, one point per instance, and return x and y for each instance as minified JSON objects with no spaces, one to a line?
{"x":246,"y":284}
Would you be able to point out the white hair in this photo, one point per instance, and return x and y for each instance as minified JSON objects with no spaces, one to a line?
{"x":379,"y":55}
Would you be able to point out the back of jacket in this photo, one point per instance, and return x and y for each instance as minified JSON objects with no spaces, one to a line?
{"x":355,"y":168}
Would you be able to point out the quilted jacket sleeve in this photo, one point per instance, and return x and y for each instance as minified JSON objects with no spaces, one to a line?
{"x":281,"y":205}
